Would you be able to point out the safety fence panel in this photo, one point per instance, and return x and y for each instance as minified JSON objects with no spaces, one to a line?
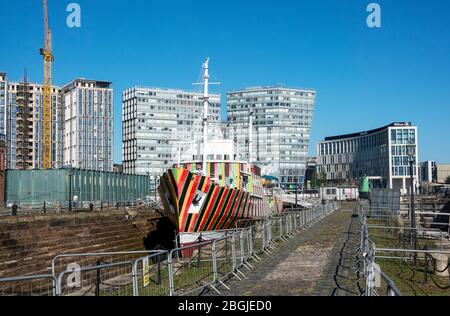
{"x":277,"y":228}
{"x":115,"y":279}
{"x":65,"y":262}
{"x":191,"y":268}
{"x":223,"y":258}
{"x":36,"y":285}
{"x":152,"y":275}
{"x":206,"y":262}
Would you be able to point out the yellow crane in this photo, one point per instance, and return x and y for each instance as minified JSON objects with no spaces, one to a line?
{"x":47,"y":54}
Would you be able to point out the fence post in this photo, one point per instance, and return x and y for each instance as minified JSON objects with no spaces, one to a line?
{"x":280,"y":220}
{"x":171,"y":276}
{"x":241,"y":241}
{"x":97,"y":281}
{"x":233,"y":251}
{"x":214,"y":260}
{"x":134,"y":277}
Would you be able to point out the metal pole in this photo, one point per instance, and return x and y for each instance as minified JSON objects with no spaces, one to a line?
{"x":70,"y":191}
{"x":97,"y":281}
{"x":413,"y":213}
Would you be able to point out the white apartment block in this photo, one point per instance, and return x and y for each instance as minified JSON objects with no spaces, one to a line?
{"x":82,"y":124}
{"x":162,"y":126}
{"x":88,"y":125}
{"x":282,"y":123}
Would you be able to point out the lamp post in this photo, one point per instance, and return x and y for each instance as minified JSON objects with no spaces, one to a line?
{"x":411,"y":149}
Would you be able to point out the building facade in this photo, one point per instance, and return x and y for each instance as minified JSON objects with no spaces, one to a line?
{"x":3,"y":100}
{"x":88,"y":125}
{"x":443,"y":173}
{"x":162,"y":126}
{"x":82,"y":124}
{"x":379,"y":154}
{"x":428,"y":172}
{"x":24,"y":126}
{"x":2,"y":169}
{"x":281,"y":129}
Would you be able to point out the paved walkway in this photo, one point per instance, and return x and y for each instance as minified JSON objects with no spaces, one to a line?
{"x":313,"y":263}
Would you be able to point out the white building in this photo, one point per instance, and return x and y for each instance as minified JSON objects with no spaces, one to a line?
{"x":82,"y":124}
{"x":379,"y":154}
{"x":282,"y":123}
{"x":88,"y":125}
{"x":163,"y":126}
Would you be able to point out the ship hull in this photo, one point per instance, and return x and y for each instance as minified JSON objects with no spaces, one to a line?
{"x":195,"y":204}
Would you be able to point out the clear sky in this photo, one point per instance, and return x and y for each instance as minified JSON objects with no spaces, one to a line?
{"x":365,"y":78}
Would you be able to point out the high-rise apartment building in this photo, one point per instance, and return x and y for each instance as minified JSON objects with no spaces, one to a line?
{"x":88,"y":125}
{"x":82,"y":124}
{"x":3,"y":100}
{"x":282,"y":123}
{"x":24,"y":126}
{"x":160,"y":125}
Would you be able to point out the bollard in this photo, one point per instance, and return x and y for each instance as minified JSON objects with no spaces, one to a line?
{"x":441,"y":265}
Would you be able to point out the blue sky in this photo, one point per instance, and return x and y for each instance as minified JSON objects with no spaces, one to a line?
{"x":365,"y":78}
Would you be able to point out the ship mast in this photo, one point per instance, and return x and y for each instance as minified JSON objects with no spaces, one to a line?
{"x":205,"y":114}
{"x":250,"y":137}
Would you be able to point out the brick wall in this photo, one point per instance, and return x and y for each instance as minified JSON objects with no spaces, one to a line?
{"x":28,"y":244}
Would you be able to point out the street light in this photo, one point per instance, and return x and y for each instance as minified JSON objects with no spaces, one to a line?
{"x":411,"y":151}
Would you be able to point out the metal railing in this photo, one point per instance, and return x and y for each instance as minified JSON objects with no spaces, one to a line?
{"x":189,"y":268}
{"x":377,"y":282}
{"x":34,"y":285}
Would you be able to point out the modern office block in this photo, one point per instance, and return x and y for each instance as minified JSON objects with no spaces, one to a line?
{"x":379,"y":154}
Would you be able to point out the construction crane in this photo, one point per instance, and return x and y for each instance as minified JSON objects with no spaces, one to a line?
{"x":47,"y":54}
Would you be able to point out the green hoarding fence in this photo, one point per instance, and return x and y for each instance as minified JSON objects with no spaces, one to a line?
{"x":31,"y":188}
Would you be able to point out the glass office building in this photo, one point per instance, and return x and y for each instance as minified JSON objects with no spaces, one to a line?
{"x":282,"y":123}
{"x":379,"y":154}
{"x":161,"y":126}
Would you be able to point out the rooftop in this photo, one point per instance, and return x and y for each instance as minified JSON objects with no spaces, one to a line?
{"x":273,"y":87}
{"x":395,"y":124}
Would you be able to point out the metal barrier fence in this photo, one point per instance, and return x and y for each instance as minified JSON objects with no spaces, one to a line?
{"x":377,"y":282}
{"x":35,"y":285}
{"x":187,"y":269}
{"x":115,"y":279}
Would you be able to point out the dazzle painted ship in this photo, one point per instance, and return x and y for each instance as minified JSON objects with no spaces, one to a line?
{"x":214,"y":191}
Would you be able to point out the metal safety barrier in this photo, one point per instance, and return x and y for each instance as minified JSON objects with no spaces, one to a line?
{"x":377,"y":283}
{"x":115,"y":279}
{"x":34,"y":285}
{"x":206,"y":263}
